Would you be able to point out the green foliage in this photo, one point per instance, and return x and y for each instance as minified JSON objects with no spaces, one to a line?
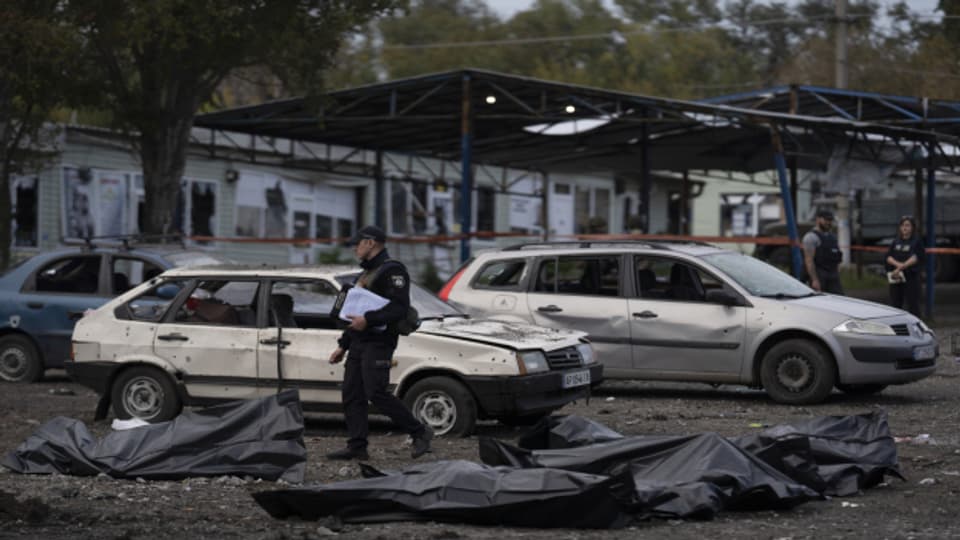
{"x":429,"y":278}
{"x":673,"y":48}
{"x":866,"y":280}
{"x":37,"y":69}
{"x":156,"y":62}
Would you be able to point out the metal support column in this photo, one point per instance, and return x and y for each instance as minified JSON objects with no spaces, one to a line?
{"x":781,"y":162}
{"x":931,"y":224}
{"x":466,"y":170}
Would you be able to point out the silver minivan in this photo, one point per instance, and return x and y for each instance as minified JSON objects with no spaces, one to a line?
{"x":695,"y":312}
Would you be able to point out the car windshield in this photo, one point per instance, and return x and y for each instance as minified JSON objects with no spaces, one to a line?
{"x":758,"y":277}
{"x":425,"y":302}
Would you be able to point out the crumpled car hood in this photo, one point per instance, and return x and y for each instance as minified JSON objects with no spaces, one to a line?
{"x":510,"y":334}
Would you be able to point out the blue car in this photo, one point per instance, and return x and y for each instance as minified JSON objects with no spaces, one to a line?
{"x":42,"y":297}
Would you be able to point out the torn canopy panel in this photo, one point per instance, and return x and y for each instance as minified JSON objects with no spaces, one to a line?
{"x":463,"y":492}
{"x":262,"y":438}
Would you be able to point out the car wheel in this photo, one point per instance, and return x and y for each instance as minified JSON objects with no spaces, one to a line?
{"x":861,"y":389}
{"x":444,"y":404}
{"x":146,"y":393}
{"x":797,"y":371}
{"x":19,"y":360}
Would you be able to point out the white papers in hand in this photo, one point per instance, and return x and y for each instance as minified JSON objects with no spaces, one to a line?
{"x":360,"y":301}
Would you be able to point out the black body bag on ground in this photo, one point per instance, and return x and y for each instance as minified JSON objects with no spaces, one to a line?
{"x":262,"y":438}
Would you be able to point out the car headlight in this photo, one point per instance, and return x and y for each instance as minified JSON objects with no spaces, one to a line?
{"x":924,"y":328}
{"x":854,"y":326}
{"x":586,"y":353}
{"x":532,"y":362}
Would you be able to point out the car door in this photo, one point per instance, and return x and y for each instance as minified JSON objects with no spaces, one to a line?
{"x":210,"y":337}
{"x":54,"y":297}
{"x":675,"y":333}
{"x":297,"y":338}
{"x":584,"y":292}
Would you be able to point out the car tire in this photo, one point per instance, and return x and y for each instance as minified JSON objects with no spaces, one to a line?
{"x":444,"y":404}
{"x":797,"y":372}
{"x":146,"y":393}
{"x":861,"y":389}
{"x":20,"y":360}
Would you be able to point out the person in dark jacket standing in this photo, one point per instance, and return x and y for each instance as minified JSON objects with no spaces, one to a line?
{"x":368,"y":344}
{"x":822,"y":255}
{"x":903,"y":264}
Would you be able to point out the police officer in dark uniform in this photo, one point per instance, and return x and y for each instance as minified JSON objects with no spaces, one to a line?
{"x":369,"y":343}
{"x":822,"y":255}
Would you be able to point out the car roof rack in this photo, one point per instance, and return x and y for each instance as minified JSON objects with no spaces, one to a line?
{"x":654,"y":244}
{"x":126,"y":242}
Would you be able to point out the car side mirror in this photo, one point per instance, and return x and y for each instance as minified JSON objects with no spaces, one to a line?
{"x":167,"y":291}
{"x":722,"y":297}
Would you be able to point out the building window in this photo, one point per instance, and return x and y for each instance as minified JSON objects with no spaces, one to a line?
{"x":324,"y":226}
{"x":23,"y":197}
{"x":486,"y":209}
{"x":592,"y":210}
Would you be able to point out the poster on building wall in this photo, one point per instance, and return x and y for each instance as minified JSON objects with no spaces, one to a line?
{"x":525,"y":210}
{"x":78,"y":195}
{"x":113,"y":204}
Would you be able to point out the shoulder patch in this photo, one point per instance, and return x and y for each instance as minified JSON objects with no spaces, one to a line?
{"x":398,"y":281}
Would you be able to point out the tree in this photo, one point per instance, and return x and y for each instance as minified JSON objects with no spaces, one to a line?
{"x":36,"y":63}
{"x":158,"y":61}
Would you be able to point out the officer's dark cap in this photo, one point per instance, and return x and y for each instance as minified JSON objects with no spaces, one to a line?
{"x":825,"y":214}
{"x":370,"y":232}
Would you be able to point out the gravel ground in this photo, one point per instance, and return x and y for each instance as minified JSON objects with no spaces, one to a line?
{"x":923,"y":416}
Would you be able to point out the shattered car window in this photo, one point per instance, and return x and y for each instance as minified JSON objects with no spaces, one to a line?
{"x":756,"y":276}
{"x":220,"y":302}
{"x":71,"y":274}
{"x":152,"y":304}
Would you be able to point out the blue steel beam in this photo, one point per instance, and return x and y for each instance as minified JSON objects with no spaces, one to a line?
{"x":792,"y":232}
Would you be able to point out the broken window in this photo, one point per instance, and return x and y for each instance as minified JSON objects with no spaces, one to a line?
{"x":23,"y":197}
{"x":152,"y":304}
{"x":220,"y":302}
{"x":128,"y":272}
{"x":79,"y":274}
{"x":308,"y":302}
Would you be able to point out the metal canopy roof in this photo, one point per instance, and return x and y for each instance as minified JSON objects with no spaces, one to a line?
{"x":915,"y":112}
{"x":424,"y":115}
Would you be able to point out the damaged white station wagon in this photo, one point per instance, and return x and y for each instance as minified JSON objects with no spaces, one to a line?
{"x":204,"y":334}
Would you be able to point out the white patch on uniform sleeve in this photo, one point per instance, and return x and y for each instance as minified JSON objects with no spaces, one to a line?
{"x":398,"y":281}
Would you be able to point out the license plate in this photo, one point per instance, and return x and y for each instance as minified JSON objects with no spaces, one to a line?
{"x":925,"y":352}
{"x":576,"y":378}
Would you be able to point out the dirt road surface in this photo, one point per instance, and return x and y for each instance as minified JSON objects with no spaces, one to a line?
{"x":924,"y":416}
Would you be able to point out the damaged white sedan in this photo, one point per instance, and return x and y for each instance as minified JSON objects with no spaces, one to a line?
{"x":198,"y":335}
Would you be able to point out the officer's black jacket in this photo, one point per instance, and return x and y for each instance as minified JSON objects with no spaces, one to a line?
{"x":391,"y":282}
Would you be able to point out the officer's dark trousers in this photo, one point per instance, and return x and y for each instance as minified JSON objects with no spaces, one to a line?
{"x":829,"y":281}
{"x":366,"y":378}
{"x":908,"y":291}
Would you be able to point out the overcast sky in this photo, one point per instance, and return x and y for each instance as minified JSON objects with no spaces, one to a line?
{"x":506,"y":8}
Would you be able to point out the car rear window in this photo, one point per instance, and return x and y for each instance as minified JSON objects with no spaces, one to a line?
{"x":505,"y":275}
